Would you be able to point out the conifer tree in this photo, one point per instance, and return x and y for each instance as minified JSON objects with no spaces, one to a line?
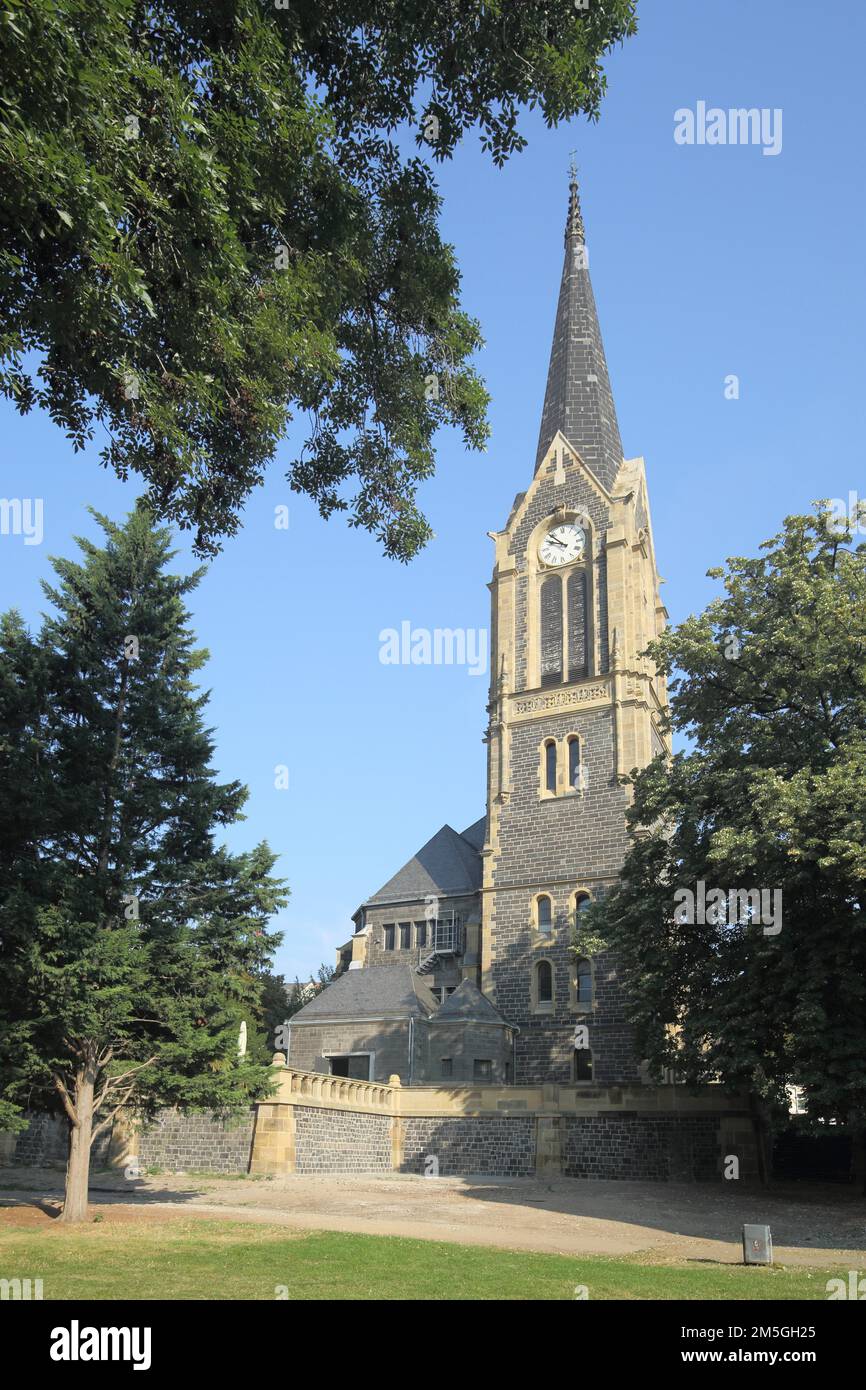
{"x":132,"y":943}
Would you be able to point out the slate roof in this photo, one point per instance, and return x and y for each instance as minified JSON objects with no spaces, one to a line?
{"x":448,"y":865}
{"x":475,"y":833}
{"x":578,"y":399}
{"x":468,"y":1004}
{"x":377,"y":991}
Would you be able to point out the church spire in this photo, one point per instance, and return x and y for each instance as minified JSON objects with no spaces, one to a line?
{"x":578,"y":400}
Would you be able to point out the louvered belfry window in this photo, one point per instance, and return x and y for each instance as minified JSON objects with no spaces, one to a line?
{"x":551,"y":630}
{"x":564,"y":616}
{"x":577,"y":662}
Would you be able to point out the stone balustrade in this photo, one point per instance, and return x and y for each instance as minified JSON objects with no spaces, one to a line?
{"x":339,"y":1092}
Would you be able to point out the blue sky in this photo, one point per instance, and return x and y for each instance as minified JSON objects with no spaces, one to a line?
{"x":706,"y":261}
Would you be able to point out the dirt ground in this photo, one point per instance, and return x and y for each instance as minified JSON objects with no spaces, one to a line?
{"x":810,"y":1225}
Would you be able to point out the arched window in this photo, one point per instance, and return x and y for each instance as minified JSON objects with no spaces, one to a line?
{"x":550,"y":765}
{"x":577,"y":626}
{"x":545,"y":914}
{"x":581,"y":903}
{"x":575,"y":778}
{"x":582,"y":1064}
{"x":551,"y":630}
{"x":544,"y":982}
{"x":583,"y":982}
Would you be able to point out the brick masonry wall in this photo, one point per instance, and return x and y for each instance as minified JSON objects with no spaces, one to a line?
{"x":340,"y":1141}
{"x":660,"y":1148}
{"x":497,"y":1145}
{"x":182,"y":1142}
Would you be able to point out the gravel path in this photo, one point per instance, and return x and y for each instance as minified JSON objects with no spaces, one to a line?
{"x":810,"y":1226}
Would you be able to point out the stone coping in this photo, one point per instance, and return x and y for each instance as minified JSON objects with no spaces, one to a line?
{"x":320,"y":1090}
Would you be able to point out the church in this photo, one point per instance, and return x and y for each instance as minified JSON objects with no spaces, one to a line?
{"x":465,"y":967}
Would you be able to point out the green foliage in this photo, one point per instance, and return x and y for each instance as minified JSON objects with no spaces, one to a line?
{"x":131,"y":944}
{"x":770,"y":684}
{"x":209,"y":226}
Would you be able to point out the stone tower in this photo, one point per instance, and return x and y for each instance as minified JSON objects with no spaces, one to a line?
{"x":573,"y":706}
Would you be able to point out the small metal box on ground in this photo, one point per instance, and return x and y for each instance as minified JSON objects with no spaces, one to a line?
{"x":757,"y":1245}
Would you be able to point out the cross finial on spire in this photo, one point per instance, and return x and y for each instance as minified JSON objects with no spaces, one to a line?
{"x":574,"y":230}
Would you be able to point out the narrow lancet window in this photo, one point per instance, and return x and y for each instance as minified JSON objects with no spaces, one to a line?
{"x":578,"y":666}
{"x":551,"y":630}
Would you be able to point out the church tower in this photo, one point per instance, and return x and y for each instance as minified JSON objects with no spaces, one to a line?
{"x":573,"y":708}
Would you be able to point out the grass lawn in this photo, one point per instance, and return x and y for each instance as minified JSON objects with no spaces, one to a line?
{"x":227,"y":1260}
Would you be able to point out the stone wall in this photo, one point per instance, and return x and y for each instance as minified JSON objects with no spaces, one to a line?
{"x":412,"y":915}
{"x":322,"y":1124}
{"x":463,"y":1042}
{"x":658,"y":1148}
{"x":565,"y":843}
{"x":44,"y":1144}
{"x":504,"y":1146}
{"x":311,"y":1045}
{"x":341,"y":1141}
{"x":542,"y":843}
{"x":182,"y":1142}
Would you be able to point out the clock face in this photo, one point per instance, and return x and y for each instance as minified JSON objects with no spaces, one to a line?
{"x":563,"y":544}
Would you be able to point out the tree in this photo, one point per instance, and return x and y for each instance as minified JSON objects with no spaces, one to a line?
{"x":300,"y":993}
{"x":295,"y":997}
{"x":213,"y":227}
{"x":770,"y":685}
{"x":132,"y":945}
{"x":273,"y":1006}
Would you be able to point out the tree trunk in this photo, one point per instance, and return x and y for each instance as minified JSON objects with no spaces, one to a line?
{"x":78,"y":1164}
{"x":763,"y":1139}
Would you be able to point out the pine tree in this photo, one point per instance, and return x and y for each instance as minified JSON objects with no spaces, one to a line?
{"x":132,"y":944}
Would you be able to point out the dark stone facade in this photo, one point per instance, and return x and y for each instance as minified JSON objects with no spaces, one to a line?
{"x":387,"y":1043}
{"x":658,"y":1148}
{"x":504,"y":1145}
{"x":341,"y":1141}
{"x":560,"y":844}
{"x":45,"y":1143}
{"x":183,"y":1142}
